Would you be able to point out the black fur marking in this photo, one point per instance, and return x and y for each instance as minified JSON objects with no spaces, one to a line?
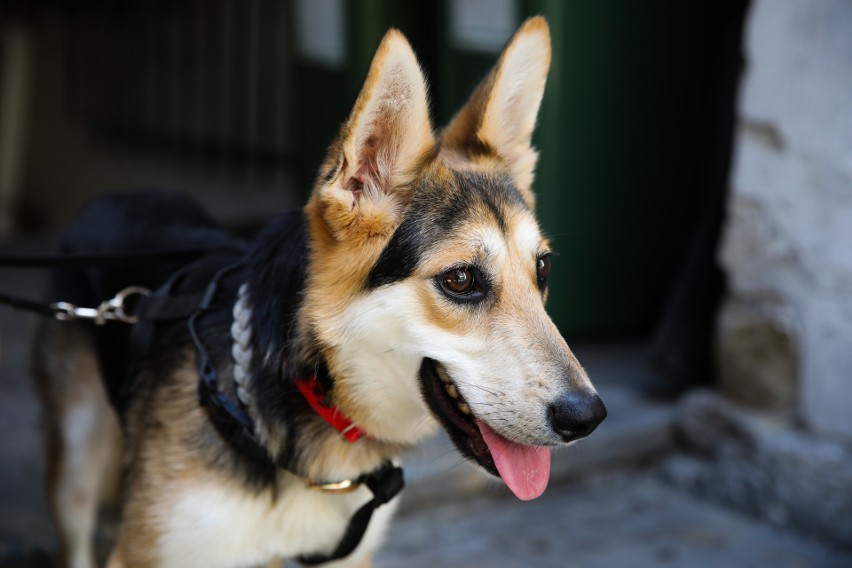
{"x":401,"y":255}
{"x":277,"y":272}
{"x":331,"y":173}
{"x":434,"y":213}
{"x":277,"y":268}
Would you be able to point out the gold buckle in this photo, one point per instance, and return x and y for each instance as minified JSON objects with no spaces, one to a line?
{"x":345,"y":486}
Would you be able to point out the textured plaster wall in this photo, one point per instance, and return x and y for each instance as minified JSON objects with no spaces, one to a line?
{"x":785,"y":333}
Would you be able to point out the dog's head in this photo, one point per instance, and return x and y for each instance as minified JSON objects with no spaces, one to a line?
{"x":428,"y":271}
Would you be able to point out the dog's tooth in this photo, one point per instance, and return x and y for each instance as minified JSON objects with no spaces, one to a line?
{"x":464,"y":408}
{"x":451,"y":390}
{"x":442,"y":374}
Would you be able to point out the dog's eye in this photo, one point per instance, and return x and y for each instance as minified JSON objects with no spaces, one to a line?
{"x":458,"y":281}
{"x":542,"y":267}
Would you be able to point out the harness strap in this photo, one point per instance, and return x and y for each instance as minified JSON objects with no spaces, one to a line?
{"x":385,"y":483}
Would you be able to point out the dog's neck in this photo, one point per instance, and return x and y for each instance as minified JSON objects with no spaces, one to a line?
{"x":310,"y":386}
{"x":267,"y":356}
{"x":339,"y":448}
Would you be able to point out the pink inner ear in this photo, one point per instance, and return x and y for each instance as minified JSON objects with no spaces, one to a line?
{"x":355,"y":184}
{"x":368,"y":168}
{"x":365,"y":174}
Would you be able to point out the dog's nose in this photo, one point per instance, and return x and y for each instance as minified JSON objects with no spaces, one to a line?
{"x":576,"y":415}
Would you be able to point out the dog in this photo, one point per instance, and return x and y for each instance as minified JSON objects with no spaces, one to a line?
{"x":408,"y":295}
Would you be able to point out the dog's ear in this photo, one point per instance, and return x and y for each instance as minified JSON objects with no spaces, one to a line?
{"x":500,"y":116}
{"x":365,"y":181}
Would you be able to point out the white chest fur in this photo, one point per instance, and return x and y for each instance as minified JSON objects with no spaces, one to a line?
{"x":224,"y":526}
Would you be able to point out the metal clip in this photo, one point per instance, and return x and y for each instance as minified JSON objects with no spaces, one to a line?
{"x":345,"y":486}
{"x":109,"y":310}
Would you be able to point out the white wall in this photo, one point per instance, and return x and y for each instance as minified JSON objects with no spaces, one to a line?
{"x":787,"y":245}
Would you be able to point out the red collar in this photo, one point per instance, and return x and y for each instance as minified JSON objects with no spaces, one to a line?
{"x":313,"y":393}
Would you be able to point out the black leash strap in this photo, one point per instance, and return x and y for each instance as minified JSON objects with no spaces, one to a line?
{"x":52,"y":261}
{"x":27,"y":305}
{"x":112,"y":309}
{"x":385,"y":483}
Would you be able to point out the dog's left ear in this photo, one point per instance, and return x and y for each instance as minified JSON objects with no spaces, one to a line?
{"x":499,"y":118}
{"x":365,"y":182}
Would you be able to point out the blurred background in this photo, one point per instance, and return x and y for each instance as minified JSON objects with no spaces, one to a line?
{"x":695,"y":178}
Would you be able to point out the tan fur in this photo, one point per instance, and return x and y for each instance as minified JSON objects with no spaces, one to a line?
{"x":81,"y":435}
{"x":386,"y":140}
{"x":159,"y":461}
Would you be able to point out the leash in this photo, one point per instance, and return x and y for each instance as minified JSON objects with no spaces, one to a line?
{"x":128,"y":258}
{"x":113,"y":309}
{"x":229,"y":419}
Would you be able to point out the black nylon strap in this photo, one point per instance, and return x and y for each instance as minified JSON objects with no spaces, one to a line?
{"x":385,"y":483}
{"x":162,"y":308}
{"x":92,"y":260}
{"x":232,"y":423}
{"x":27,"y":305}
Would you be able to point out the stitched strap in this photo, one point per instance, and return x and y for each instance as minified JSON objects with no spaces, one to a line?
{"x":235,"y":426}
{"x":385,"y":483}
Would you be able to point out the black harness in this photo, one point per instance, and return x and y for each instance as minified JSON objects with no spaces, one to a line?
{"x":228,"y":417}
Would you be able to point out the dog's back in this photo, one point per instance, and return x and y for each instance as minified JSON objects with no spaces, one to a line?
{"x":79,"y":367}
{"x":133,"y":222}
{"x":139,"y":221}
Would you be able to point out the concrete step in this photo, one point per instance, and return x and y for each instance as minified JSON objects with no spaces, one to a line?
{"x":626,"y":519}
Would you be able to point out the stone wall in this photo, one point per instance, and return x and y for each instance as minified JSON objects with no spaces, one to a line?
{"x":785,"y":331}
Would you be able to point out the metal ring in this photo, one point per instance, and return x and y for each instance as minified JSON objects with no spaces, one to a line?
{"x":117,"y":303}
{"x":64,"y":311}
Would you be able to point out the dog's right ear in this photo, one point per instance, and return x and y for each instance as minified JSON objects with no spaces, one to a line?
{"x":365,"y":182}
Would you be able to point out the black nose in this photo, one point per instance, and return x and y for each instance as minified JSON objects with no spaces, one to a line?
{"x":576,"y":415}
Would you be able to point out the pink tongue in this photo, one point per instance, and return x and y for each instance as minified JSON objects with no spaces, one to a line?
{"x":524,"y":469}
